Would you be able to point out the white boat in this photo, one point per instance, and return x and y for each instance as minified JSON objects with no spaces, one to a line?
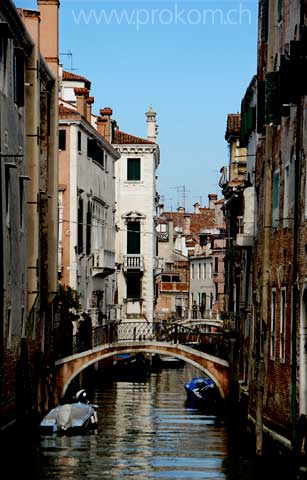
{"x":71,"y":417}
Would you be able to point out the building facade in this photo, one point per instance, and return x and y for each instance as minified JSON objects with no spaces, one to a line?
{"x":86,"y":255}
{"x":191,"y":245}
{"x":28,"y":215}
{"x":265,"y":207}
{"x":136,"y":202}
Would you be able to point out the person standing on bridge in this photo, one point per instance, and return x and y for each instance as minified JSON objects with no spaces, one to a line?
{"x":194,"y":310}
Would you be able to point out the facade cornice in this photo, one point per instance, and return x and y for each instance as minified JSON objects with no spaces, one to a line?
{"x":136,"y":148}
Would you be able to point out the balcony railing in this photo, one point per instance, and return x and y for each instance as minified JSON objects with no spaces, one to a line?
{"x":103,"y":262}
{"x":133,"y":262}
{"x":169,"y":287}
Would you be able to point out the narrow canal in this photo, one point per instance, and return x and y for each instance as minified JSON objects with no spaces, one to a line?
{"x":146,"y":431}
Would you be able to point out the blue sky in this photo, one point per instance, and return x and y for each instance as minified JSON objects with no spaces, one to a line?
{"x":191,"y":59}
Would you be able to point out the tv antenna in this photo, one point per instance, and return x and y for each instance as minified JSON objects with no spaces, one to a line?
{"x":182,"y":194}
{"x":69,"y":54}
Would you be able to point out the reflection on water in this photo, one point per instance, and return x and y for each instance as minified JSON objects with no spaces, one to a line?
{"x":145,"y":431}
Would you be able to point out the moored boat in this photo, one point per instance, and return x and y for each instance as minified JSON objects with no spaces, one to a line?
{"x":71,"y":417}
{"x":202,"y":391}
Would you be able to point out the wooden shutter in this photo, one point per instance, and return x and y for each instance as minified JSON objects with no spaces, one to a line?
{"x":134,"y":169}
{"x":133,"y":238}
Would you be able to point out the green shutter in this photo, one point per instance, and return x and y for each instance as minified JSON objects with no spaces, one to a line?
{"x":133,"y":238}
{"x":134,"y":169}
{"x":260,"y":106}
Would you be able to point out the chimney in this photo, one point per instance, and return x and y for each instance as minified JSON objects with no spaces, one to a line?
{"x":181,"y":210}
{"x":187,"y":225}
{"x":152,"y":127}
{"x":49,"y":27}
{"x":212,"y":199}
{"x":89,"y":103}
{"x":196,"y":207}
{"x":104,"y":123}
{"x":161,"y":208}
{"x":81,"y":96}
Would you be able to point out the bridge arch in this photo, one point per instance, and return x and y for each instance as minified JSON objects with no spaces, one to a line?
{"x":217,"y":369}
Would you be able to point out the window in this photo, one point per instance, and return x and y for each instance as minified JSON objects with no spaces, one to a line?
{"x":264,"y":20}
{"x":89,"y":229}
{"x":62,"y":140}
{"x":275,"y":200}
{"x":203,"y":300}
{"x":199,"y":271}
{"x":216,"y":292}
{"x":3,"y":61}
{"x":80,"y":226}
{"x":133,"y":238}
{"x":134,"y":169}
{"x":21,"y":200}
{"x":95,"y":151}
{"x":79,"y":141}
{"x":9,"y":327}
{"x":216,"y":264}
{"x":19,"y":81}
{"x":273,"y":324}
{"x":23,"y":329}
{"x":286,"y":196}
{"x":211,"y":300}
{"x":283,"y":308}
{"x":133,"y":286}
{"x":192,"y":271}
{"x":279,"y":10}
{"x":7,"y":194}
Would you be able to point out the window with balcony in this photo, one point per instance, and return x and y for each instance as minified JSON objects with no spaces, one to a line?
{"x":133,"y":238}
{"x":133,"y":169}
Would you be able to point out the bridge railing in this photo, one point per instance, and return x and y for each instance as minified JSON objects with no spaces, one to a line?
{"x":215,"y":343}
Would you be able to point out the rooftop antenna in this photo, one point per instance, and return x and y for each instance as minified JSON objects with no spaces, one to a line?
{"x":182,"y":194}
{"x":200,"y":198}
{"x":69,"y":54}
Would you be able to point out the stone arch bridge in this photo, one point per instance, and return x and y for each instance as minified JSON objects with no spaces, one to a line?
{"x":204,"y":350}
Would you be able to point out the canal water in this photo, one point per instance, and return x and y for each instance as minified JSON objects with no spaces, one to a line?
{"x":146,"y":431}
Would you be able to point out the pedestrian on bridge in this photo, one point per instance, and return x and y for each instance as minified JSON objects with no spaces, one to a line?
{"x":194,"y":310}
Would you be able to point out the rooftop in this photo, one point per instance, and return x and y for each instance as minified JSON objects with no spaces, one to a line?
{"x":122,"y":138}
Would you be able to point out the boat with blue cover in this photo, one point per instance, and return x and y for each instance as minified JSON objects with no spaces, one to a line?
{"x":202,"y":391}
